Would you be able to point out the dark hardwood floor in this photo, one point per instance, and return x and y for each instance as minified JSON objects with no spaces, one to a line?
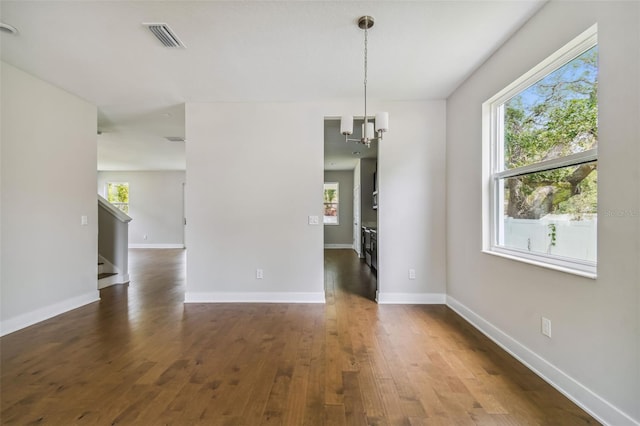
{"x":140,"y":356}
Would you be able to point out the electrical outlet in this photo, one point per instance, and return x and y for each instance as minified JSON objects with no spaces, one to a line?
{"x":144,"y":237}
{"x":84,"y":220}
{"x":259,"y":274}
{"x":412,"y":274}
{"x":546,"y":327}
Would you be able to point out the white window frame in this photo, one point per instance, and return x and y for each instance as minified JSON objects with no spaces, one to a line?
{"x":493,"y":161}
{"x":337,"y":222}
{"x":118,"y":205}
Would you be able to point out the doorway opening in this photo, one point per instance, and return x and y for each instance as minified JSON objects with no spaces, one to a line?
{"x":350,"y":234}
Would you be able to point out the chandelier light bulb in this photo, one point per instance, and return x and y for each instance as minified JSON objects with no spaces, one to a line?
{"x":346,"y":125}
{"x":382,"y":121}
{"x":367,"y":131}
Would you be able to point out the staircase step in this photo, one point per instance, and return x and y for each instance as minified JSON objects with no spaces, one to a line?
{"x":106,"y":274}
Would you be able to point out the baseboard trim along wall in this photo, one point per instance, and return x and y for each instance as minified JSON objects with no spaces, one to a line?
{"x":113,"y":280}
{"x":582,"y":396}
{"x":30,"y":318}
{"x":157,"y":246}
{"x":411,"y":298}
{"x":338,"y":246}
{"x":250,"y":297}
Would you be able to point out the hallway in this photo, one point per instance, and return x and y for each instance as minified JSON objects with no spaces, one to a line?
{"x":140,"y":356}
{"x":345,"y":275}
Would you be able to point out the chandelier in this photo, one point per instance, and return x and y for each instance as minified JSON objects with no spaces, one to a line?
{"x":382,"y":118}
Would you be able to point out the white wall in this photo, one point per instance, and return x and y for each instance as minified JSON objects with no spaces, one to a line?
{"x":255,"y":174}
{"x":49,"y":260}
{"x":341,"y":234}
{"x":594,"y":355}
{"x":411,"y":208}
{"x":245,"y":211}
{"x":155,"y":204}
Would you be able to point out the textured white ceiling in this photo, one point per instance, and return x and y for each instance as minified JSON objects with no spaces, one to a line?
{"x":244,"y":51}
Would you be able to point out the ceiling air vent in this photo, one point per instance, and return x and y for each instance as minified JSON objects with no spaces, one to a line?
{"x":174,"y":138}
{"x":164,"y":34}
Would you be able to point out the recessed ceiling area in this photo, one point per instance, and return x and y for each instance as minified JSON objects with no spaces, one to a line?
{"x":244,"y":51}
{"x":137,"y":138}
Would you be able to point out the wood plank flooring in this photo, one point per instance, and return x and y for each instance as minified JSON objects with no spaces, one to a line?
{"x":140,"y":356}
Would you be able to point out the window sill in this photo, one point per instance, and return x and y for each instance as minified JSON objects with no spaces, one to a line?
{"x":565,"y":269}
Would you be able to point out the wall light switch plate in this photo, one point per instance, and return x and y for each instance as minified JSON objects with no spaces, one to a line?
{"x":84,"y":220}
{"x":546,"y":327}
{"x":412,"y":274}
{"x":259,"y":274}
{"x":314,"y":220}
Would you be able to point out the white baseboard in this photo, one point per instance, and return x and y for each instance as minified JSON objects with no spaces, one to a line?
{"x":157,"y":246}
{"x":113,"y":280}
{"x":411,"y":298}
{"x":25,"y":320}
{"x":582,"y":396}
{"x":338,"y":246}
{"x":250,"y":297}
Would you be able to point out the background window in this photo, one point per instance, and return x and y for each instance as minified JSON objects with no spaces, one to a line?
{"x":331,"y":203}
{"x":544,"y":138}
{"x":118,"y":195}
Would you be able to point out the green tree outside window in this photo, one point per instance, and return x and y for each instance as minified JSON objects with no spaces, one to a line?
{"x":118,"y":195}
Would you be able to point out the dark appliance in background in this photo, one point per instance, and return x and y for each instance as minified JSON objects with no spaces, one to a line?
{"x":367,"y":245}
{"x":370,"y":247}
{"x":375,"y":190}
{"x":374,"y":250}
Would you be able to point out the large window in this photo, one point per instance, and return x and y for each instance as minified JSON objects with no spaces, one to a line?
{"x":331,"y":203}
{"x":542,"y":162}
{"x":118,"y":195}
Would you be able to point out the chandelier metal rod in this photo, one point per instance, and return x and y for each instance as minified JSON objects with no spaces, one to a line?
{"x":366,"y":40}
